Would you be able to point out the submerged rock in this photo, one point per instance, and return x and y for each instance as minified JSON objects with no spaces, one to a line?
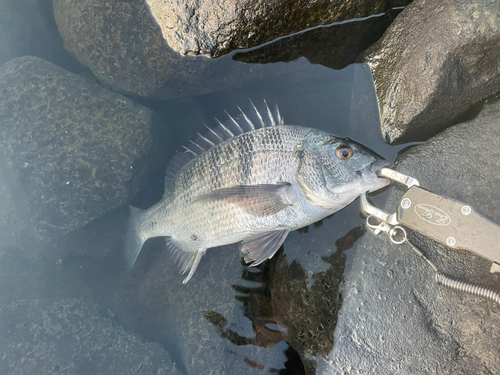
{"x":306,"y":303}
{"x":433,"y":63}
{"x":73,"y":336}
{"x":215,"y":324}
{"x":395,"y":319}
{"x":136,"y":47}
{"x":70,"y":151}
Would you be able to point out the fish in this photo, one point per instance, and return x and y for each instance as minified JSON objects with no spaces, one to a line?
{"x":252,"y":180}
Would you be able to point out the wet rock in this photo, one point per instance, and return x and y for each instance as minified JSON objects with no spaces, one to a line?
{"x":194,"y":27}
{"x":73,"y":336}
{"x":136,"y":54}
{"x":395,"y":318}
{"x":307,"y":306}
{"x":305,"y":289}
{"x":122,"y":44}
{"x":71,"y":151}
{"x":433,"y":63}
{"x":335,"y":46}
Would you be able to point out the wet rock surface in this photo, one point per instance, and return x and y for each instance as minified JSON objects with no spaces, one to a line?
{"x":395,"y":319}
{"x":71,"y":151}
{"x":124,"y":45}
{"x":193,"y":27}
{"x":73,"y":336}
{"x":306,"y":303}
{"x":433,"y":63}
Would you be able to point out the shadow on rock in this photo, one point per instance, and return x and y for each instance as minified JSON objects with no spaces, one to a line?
{"x":335,"y":46}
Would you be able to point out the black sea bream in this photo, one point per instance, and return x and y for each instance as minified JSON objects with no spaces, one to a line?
{"x":253,"y":179}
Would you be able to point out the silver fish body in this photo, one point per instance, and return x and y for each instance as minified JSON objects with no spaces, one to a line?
{"x":254,"y":187}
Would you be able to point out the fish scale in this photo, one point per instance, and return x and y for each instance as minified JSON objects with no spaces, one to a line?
{"x":254,"y":187}
{"x":194,"y":181}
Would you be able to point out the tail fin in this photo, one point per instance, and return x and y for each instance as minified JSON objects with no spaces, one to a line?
{"x":134,"y":239}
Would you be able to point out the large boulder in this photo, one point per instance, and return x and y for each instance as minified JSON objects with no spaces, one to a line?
{"x":136,"y":47}
{"x":70,"y":151}
{"x":434,"y":62}
{"x":393,"y":317}
{"x":73,"y":336}
{"x":193,"y":27}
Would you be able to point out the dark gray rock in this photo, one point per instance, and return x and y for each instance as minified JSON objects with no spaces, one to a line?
{"x":206,"y":28}
{"x":73,"y":336}
{"x":395,"y":319}
{"x":433,"y":63}
{"x":133,"y":52}
{"x":71,"y":151}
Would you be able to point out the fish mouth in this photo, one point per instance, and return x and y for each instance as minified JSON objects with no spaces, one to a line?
{"x":370,"y":175}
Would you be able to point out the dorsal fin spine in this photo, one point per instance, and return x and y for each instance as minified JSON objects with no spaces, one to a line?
{"x":175,"y":162}
{"x":206,"y":139}
{"x":281,"y":120}
{"x":189,"y":150}
{"x":258,"y":115}
{"x":225,"y":128}
{"x":271,"y":117}
{"x":197,"y":145}
{"x":252,"y":126}
{"x":234,"y":122}
{"x":214,"y":133}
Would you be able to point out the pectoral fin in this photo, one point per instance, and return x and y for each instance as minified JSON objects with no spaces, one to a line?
{"x":262,"y":200}
{"x":263,"y":246}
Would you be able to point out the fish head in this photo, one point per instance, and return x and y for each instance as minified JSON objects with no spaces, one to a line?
{"x":335,"y":171}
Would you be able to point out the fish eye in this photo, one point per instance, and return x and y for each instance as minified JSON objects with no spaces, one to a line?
{"x":343,"y":153}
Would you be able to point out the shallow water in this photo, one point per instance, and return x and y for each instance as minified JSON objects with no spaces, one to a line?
{"x":235,"y":307}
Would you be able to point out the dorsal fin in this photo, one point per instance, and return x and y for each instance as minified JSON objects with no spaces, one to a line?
{"x":247,"y":120}
{"x":234,"y":124}
{"x":243,"y":123}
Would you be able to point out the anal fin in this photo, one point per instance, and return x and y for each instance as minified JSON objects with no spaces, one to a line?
{"x":184,"y":260}
{"x":263,"y":246}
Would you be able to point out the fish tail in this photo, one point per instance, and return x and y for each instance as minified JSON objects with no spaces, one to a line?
{"x":134,"y":237}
